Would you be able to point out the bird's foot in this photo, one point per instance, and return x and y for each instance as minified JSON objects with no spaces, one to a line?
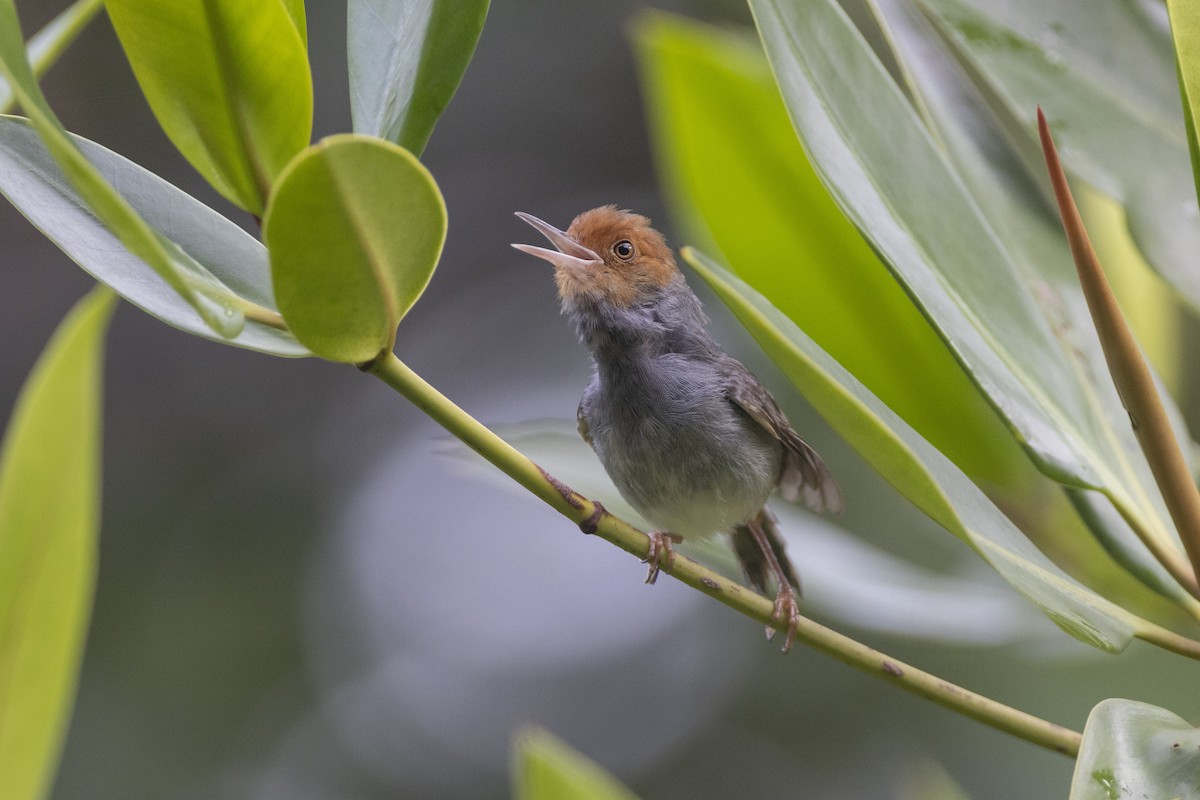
{"x":662,"y":554}
{"x":786,"y":612}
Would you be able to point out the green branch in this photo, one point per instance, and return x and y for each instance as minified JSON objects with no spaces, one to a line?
{"x":592,"y":518}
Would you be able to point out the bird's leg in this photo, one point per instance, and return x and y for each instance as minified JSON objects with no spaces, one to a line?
{"x":660,"y":551}
{"x":786,"y":610}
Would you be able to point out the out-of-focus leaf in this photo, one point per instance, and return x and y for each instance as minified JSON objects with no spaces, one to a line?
{"x":48,"y":44}
{"x":545,"y":768}
{"x":730,"y":157}
{"x":921,"y":473}
{"x":1133,"y":749}
{"x":207,"y":248}
{"x":1103,"y":73}
{"x":355,"y":229}
{"x":99,"y":196}
{"x":891,"y":178}
{"x":1032,"y":234}
{"x":228,"y":81}
{"x":1185,"y":32}
{"x":49,"y":520}
{"x":406,"y":60}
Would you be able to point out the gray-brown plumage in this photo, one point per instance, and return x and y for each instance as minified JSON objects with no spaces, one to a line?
{"x":689,"y":436}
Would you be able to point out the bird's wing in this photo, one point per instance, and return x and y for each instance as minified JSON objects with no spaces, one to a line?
{"x":581,"y":424}
{"x":804,"y":476}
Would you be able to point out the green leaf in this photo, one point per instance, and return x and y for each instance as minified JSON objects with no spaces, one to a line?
{"x":1133,"y":749}
{"x":228,"y":81}
{"x":355,"y":229}
{"x":209,"y":250}
{"x":921,"y":473}
{"x":406,"y":60}
{"x":1032,"y":234}
{"x":49,"y":521}
{"x":1185,"y":32}
{"x":1103,"y":73}
{"x":891,"y":178}
{"x":295,"y":9}
{"x":730,"y":157}
{"x":50,"y":42}
{"x":99,"y":196}
{"x":546,"y":768}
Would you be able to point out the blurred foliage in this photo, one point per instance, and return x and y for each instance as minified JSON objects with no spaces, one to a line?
{"x":872,"y":181}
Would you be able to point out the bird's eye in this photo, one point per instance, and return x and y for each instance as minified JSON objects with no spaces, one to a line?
{"x":623,"y":249}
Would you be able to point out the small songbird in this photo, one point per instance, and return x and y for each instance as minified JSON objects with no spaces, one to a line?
{"x":689,"y":436}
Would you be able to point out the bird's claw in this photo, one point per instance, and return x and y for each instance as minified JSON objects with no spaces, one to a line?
{"x":786,"y":610}
{"x":660,"y":551}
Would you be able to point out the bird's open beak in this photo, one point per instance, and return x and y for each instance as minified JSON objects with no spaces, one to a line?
{"x":569,"y":255}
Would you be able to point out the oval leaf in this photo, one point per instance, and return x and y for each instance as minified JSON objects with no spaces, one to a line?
{"x":921,"y":473}
{"x":209,"y":250}
{"x":355,"y":229}
{"x":98,"y":195}
{"x":49,"y":520}
{"x":546,"y":768}
{"x":406,"y":60}
{"x":1133,"y":749}
{"x":228,"y":81}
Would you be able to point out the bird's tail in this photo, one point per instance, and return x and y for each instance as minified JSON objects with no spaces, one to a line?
{"x":754,"y":560}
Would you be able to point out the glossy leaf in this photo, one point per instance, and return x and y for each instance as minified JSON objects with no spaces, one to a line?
{"x":228,"y":81}
{"x":50,"y":42}
{"x":1103,"y":73}
{"x":355,"y":229}
{"x":921,"y":473}
{"x":49,"y":521}
{"x":1133,"y":749}
{"x":730,"y":157}
{"x":406,"y":60}
{"x":1032,"y":234}
{"x":890,"y":176}
{"x":545,"y":768}
{"x":1185,"y":33}
{"x":208,"y":249}
{"x":99,"y":196}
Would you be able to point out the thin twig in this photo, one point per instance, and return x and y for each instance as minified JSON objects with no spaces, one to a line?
{"x":584,"y":512}
{"x":1132,"y":377}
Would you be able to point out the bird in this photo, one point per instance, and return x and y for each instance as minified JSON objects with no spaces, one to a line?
{"x":689,"y":436}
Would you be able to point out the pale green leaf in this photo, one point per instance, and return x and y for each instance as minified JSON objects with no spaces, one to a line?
{"x":545,"y":768}
{"x":228,"y":81}
{"x":209,"y":249}
{"x":891,"y":177}
{"x":1103,"y":73}
{"x":355,"y":229}
{"x":49,"y":521}
{"x":98,"y":195}
{"x":1133,"y":750}
{"x":406,"y":60}
{"x":1185,"y":32}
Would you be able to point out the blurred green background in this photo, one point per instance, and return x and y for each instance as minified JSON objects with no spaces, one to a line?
{"x":301,"y":596}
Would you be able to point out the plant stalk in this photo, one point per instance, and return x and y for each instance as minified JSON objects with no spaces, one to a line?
{"x":1132,"y":377}
{"x":592,"y":518}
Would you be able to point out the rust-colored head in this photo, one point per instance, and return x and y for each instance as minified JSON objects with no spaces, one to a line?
{"x":607,"y":255}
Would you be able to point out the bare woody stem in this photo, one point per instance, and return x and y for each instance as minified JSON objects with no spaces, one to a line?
{"x":1132,"y":377}
{"x":592,"y":518}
